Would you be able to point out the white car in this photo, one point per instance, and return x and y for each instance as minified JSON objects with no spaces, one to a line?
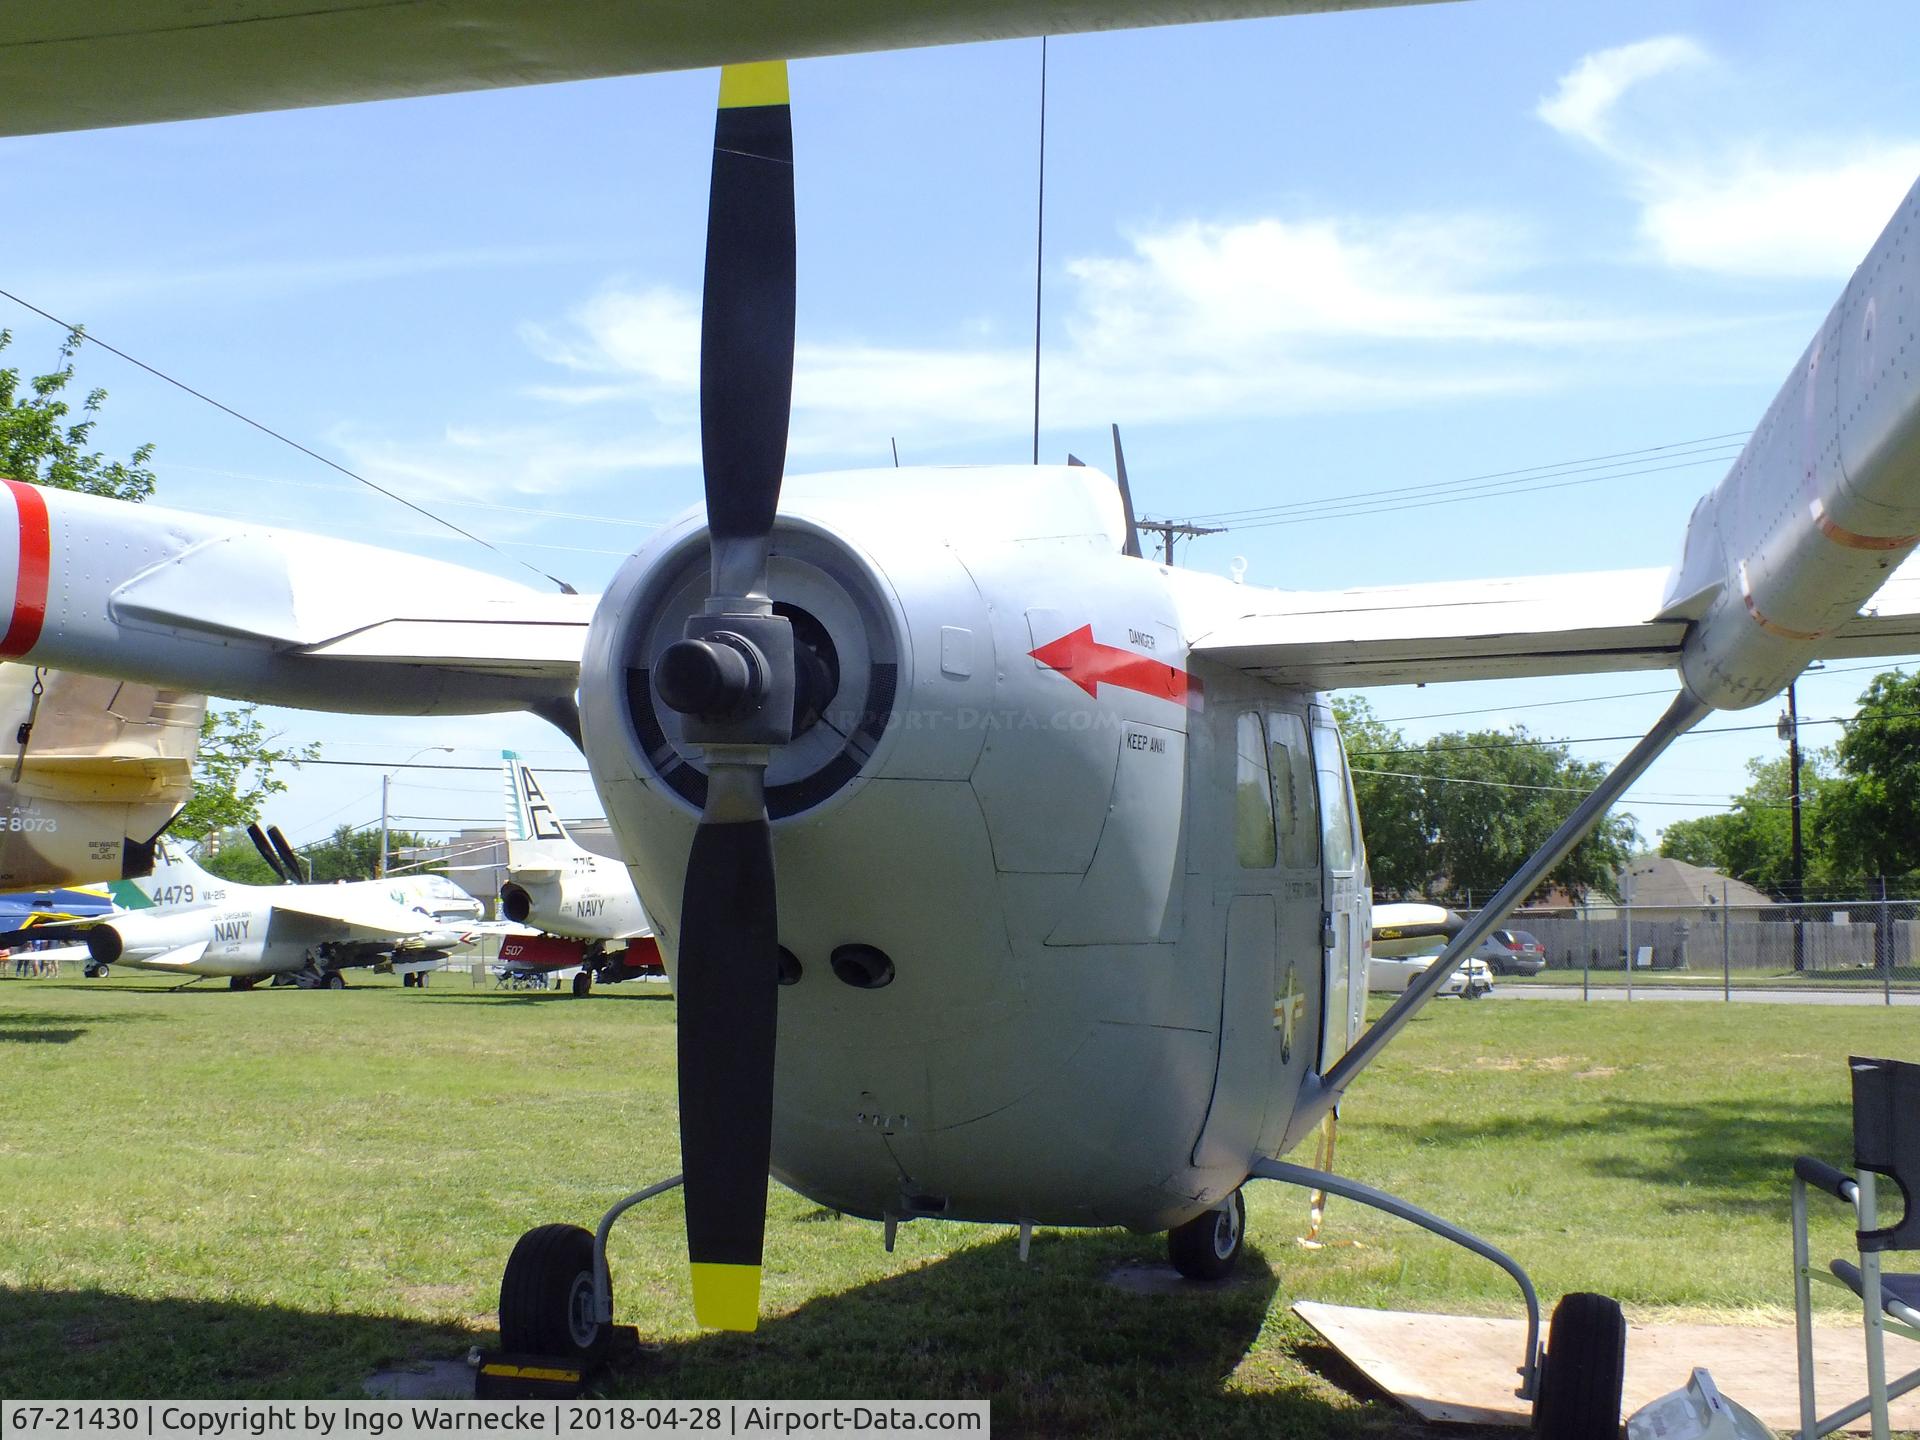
{"x":1393,"y":973}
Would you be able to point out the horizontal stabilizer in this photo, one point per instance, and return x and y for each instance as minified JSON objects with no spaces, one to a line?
{"x":174,"y":959}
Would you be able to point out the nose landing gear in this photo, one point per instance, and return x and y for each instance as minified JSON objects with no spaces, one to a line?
{"x":1208,"y":1246}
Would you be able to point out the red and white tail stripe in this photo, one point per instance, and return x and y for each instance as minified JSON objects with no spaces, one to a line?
{"x":23,"y":568}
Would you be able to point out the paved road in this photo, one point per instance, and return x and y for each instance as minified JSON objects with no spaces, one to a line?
{"x":1716,"y":995}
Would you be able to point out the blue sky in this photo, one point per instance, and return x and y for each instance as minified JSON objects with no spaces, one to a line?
{"x":1297,"y":258}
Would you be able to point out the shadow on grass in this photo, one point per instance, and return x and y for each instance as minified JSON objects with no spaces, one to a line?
{"x":538,"y":997}
{"x":1735,"y":1153}
{"x":1056,"y":1348}
{"x":58,"y":1027}
{"x":91,"y":1344}
{"x":1053,"y":1346}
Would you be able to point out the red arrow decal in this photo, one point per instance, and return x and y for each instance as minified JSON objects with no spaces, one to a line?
{"x":1088,"y":663}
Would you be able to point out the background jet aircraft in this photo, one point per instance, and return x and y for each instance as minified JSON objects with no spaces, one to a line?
{"x":188,"y":922}
{"x":582,"y":903}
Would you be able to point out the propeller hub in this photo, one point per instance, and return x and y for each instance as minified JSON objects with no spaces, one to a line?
{"x":722,"y":676}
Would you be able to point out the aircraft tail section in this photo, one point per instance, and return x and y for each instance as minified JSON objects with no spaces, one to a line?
{"x":537,"y":840}
{"x":176,"y":881}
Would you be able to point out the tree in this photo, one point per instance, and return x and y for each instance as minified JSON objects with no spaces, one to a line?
{"x":233,"y":773}
{"x":1867,"y":823}
{"x":37,"y":443}
{"x":1702,"y":841}
{"x":1455,"y":817}
{"x":1754,"y":840}
{"x":350,"y":853}
{"x":1399,"y":857}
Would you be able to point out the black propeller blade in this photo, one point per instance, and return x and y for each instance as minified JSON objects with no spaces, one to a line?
{"x":733,"y":678}
{"x":296,"y":868}
{"x":259,"y":838}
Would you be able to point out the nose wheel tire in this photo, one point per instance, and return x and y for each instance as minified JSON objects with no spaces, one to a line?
{"x":334,"y":981}
{"x":546,"y":1296}
{"x":1584,"y":1371}
{"x":1208,"y":1246}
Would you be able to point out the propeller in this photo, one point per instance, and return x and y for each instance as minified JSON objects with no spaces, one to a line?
{"x":259,"y":838}
{"x":733,"y":677}
{"x":297,"y":870}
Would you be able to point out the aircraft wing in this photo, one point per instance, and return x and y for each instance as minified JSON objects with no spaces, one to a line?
{"x":84,"y":64}
{"x":166,"y":598}
{"x":1499,"y":629}
{"x":358,"y":917}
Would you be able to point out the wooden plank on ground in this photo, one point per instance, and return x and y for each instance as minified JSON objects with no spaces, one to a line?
{"x":1465,"y":1368}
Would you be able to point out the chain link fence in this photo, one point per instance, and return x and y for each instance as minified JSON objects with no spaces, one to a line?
{"x":1796,"y":948}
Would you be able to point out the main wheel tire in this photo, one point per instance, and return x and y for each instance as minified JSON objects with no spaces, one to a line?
{"x":1207,"y":1247}
{"x":334,"y":981}
{"x":408,"y":980}
{"x":583,"y":984}
{"x":239,"y":982}
{"x":1584,"y":1371}
{"x":546,"y":1296}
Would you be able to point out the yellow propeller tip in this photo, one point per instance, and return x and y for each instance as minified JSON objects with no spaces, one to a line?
{"x":762,"y":82}
{"x":726,"y":1297}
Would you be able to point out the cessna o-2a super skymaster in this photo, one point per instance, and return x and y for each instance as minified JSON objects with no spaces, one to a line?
{"x":1072,"y":904}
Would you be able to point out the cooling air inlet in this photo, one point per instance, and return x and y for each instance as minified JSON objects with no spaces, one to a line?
{"x":847,"y":667}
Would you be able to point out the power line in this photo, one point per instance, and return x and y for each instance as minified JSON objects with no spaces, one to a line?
{"x":1596,"y":699}
{"x":1728,"y":803}
{"x":285,"y":440}
{"x":1613,"y":460}
{"x":1336,"y":512}
{"x":1433,"y":748}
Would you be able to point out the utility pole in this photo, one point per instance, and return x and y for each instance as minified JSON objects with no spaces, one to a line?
{"x":386,"y":779}
{"x":1789,"y":730}
{"x":1168,"y":529}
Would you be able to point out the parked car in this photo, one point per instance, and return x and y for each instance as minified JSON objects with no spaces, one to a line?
{"x":1393,"y":973}
{"x":1512,"y":952}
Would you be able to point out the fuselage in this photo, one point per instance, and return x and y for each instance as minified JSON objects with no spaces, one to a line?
{"x":581,"y":896}
{"x":1072,"y":913}
{"x":187,"y":921}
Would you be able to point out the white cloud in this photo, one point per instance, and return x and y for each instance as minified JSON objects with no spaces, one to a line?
{"x":1588,"y":93}
{"x":1765,"y":218}
{"x":1737,"y":204}
{"x":1193,"y":320}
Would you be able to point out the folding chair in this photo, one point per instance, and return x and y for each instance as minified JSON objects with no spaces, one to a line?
{"x":1886,"y":1141}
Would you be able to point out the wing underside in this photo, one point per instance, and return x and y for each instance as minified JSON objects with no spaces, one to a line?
{"x":1502,"y":629}
{"x":348,"y":918}
{"x":84,"y":64}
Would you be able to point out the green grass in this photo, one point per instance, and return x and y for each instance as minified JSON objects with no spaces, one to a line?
{"x":273,"y":1193}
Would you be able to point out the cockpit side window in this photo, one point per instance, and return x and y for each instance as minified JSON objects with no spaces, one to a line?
{"x":1336,"y":811}
{"x":1292,"y":766}
{"x":1253,"y":842}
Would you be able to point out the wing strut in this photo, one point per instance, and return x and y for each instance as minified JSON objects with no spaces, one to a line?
{"x":1681,"y":716}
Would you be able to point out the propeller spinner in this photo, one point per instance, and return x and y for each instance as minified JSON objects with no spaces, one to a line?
{"x":733,"y":677}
